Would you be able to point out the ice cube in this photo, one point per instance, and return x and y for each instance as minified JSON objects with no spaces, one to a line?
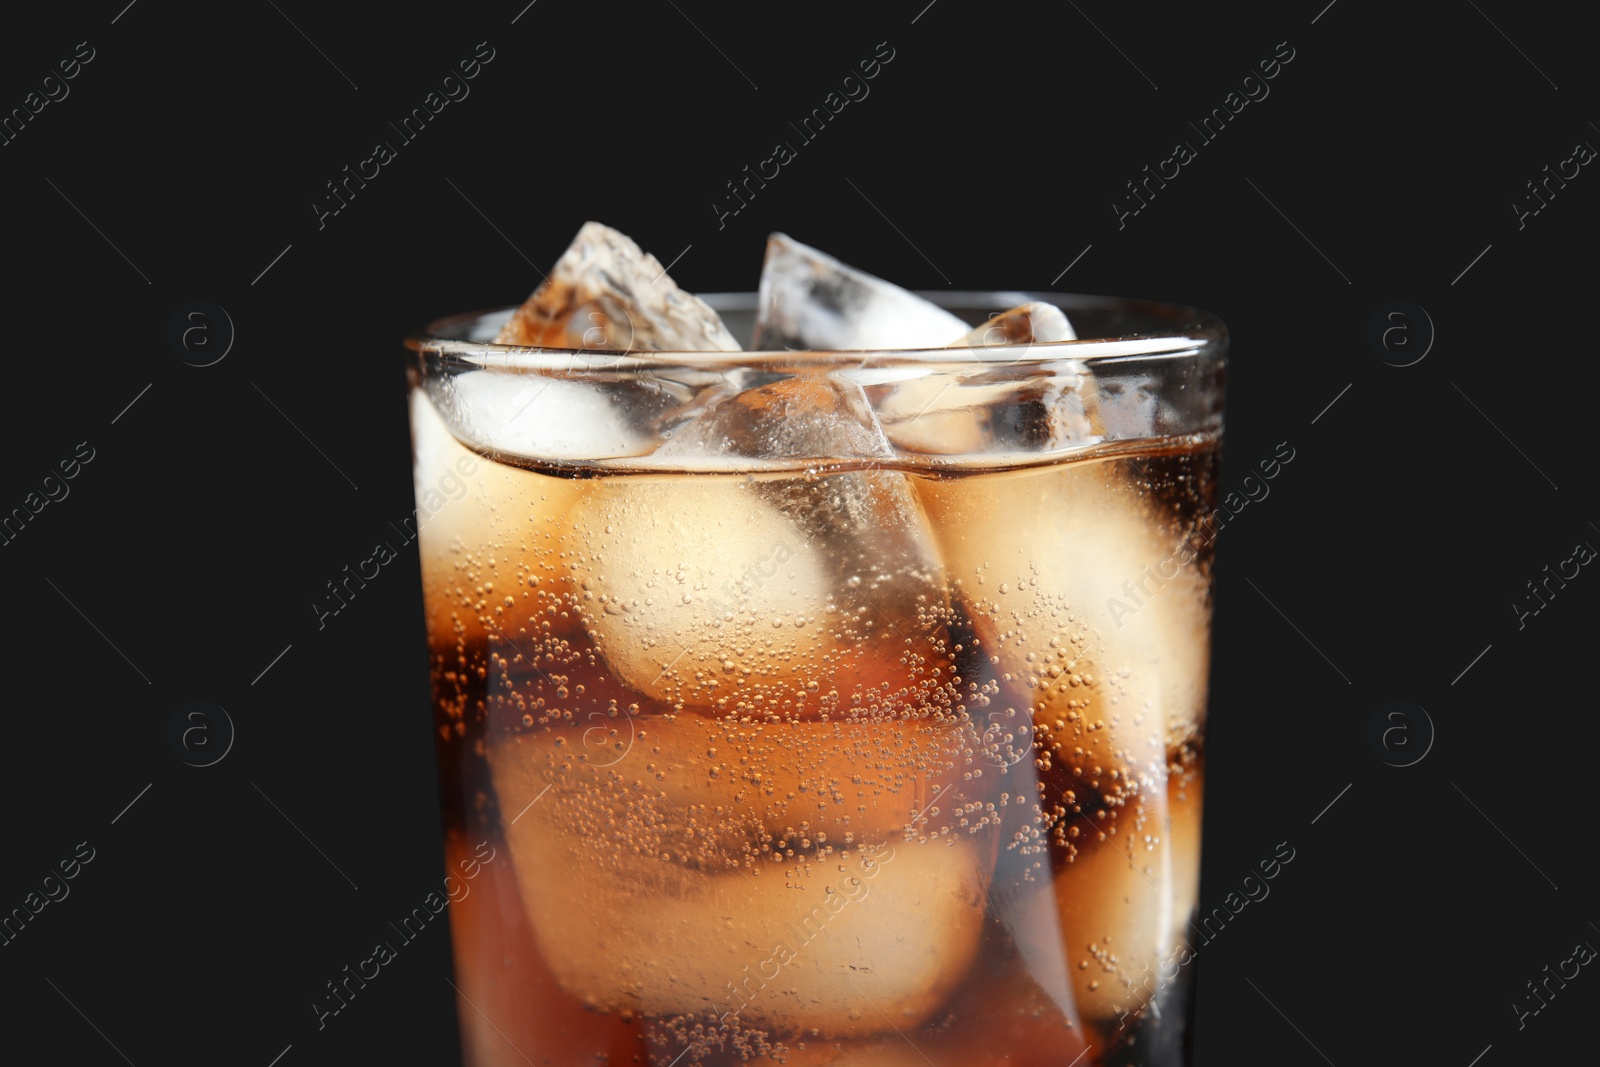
{"x":809,"y":300}
{"x":829,"y":943}
{"x":481,"y":526}
{"x":1026,"y":324}
{"x":968,"y":411}
{"x":991,"y":411}
{"x":1022,"y":902}
{"x":1184,"y":807}
{"x":1002,"y":1016}
{"x":511,"y":1005}
{"x":606,"y":293}
{"x":1091,"y":614}
{"x":801,"y":590}
{"x":552,"y":417}
{"x":1114,"y":901}
{"x":759,"y":788}
{"x":817,"y":417}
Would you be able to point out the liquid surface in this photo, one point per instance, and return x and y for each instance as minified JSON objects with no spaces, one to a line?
{"x":862,"y":766}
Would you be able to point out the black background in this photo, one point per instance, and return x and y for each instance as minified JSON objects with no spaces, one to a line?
{"x":187,"y":157}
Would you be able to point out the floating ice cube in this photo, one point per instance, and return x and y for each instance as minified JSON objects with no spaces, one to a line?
{"x":809,"y":300}
{"x":1184,"y":807}
{"x":966,"y":411}
{"x":822,"y":418}
{"x":1101,"y":925}
{"x":549,"y":417}
{"x":818,"y":592}
{"x":481,"y":525}
{"x":1090,"y":611}
{"x":1114,"y":901}
{"x":1012,"y":1015}
{"x":509,"y":999}
{"x":606,"y":293}
{"x":1026,"y":907}
{"x":1023,"y":325}
{"x":991,"y":411}
{"x":763,"y":787}
{"x":827,"y":943}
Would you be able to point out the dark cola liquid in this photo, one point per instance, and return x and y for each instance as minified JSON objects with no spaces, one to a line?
{"x":861,"y":767}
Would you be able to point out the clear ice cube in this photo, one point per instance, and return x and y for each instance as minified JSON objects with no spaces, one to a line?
{"x":795,"y":784}
{"x":549,"y":417}
{"x":607,"y":293}
{"x":723,"y":590}
{"x":811,"y":417}
{"x":1114,"y":901}
{"x":628,"y":920}
{"x":809,"y":300}
{"x":1074,"y":586}
{"x":1026,"y":324}
{"x":991,"y":410}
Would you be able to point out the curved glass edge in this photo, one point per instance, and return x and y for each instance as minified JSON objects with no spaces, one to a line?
{"x":465,"y":338}
{"x":1159,"y":374}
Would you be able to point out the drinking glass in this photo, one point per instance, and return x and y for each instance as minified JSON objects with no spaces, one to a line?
{"x":822,"y":707}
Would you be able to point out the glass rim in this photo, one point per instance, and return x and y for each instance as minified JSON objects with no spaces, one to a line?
{"x":1194,"y":333}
